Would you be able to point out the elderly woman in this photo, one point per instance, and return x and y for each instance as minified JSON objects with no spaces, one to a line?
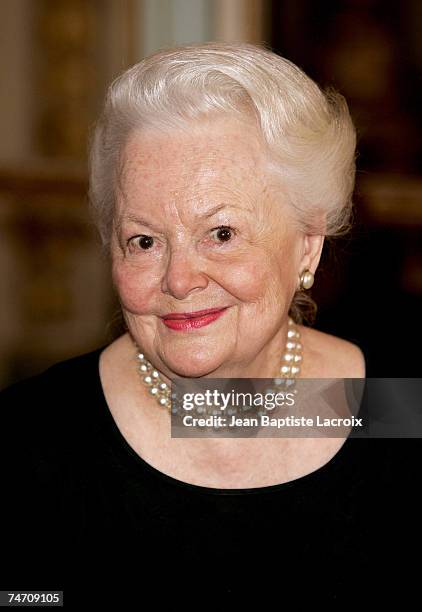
{"x":217,"y":170}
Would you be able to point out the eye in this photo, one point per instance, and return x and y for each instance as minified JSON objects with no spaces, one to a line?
{"x":224,"y":233}
{"x":143,"y":242}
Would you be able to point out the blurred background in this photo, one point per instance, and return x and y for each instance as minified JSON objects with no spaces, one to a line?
{"x":57,"y":58}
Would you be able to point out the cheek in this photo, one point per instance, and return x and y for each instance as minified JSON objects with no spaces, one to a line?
{"x":136,"y":288}
{"x":266,"y":283}
{"x":248,"y":280}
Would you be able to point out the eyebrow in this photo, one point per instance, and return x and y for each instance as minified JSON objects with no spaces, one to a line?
{"x":215,"y":209}
{"x":209,"y":213}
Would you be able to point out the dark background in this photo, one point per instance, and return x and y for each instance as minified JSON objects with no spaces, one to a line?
{"x":369,"y":285}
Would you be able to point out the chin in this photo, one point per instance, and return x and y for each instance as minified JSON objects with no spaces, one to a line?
{"x":193,"y":369}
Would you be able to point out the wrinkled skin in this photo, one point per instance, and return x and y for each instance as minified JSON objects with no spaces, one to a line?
{"x":171,"y":181}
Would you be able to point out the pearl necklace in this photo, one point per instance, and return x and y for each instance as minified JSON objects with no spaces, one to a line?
{"x":289,"y":369}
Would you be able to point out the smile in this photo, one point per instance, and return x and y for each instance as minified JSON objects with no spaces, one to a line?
{"x":191,"y":323}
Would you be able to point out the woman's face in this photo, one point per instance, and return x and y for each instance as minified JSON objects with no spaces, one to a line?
{"x":168,"y":255}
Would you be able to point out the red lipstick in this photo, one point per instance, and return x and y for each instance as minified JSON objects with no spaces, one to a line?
{"x":192,"y":320}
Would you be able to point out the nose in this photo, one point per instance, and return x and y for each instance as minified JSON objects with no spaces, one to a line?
{"x":183,"y":273}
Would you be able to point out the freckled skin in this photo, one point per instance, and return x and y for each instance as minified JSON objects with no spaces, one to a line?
{"x":172,"y":180}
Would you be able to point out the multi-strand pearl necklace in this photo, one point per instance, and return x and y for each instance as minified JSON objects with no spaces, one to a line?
{"x":289,"y":369}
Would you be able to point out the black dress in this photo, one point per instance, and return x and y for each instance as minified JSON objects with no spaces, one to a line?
{"x":83,"y":513}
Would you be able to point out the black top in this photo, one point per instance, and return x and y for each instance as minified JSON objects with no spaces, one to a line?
{"x":80,"y":507}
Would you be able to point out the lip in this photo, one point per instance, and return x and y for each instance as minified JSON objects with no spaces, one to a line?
{"x":191,"y":323}
{"x":191,"y":315}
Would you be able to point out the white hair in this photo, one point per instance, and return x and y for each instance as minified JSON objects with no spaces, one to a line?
{"x":308,"y":132}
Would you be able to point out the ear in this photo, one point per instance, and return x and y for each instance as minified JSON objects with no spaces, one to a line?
{"x":311,"y":252}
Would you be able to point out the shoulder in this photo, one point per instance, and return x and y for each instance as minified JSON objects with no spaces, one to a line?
{"x":23,"y":392}
{"x":50,"y":416}
{"x":52,"y":395}
{"x":327,"y":356}
{"x":50,"y":380}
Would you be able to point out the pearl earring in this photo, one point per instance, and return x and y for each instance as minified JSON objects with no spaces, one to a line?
{"x":306,"y":280}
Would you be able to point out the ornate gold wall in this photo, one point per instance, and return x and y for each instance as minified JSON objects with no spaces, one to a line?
{"x":56,"y":299}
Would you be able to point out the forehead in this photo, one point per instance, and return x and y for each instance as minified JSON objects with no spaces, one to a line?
{"x":223,"y":155}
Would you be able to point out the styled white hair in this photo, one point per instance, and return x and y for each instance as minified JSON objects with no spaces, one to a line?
{"x":308,"y":132}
